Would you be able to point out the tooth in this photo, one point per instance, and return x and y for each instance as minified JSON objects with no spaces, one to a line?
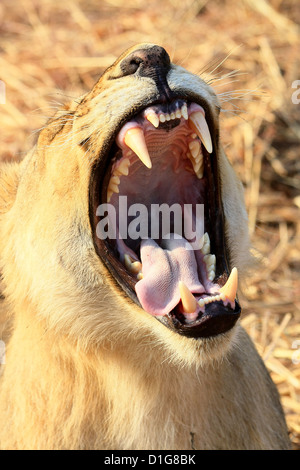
{"x":206,"y":244}
{"x":153,"y":118}
{"x":173,"y":116}
{"x":135,"y":139}
{"x":162,"y":118}
{"x":230,"y":288}
{"x":115,"y":180}
{"x":178,"y":114}
{"x":211,"y":275}
{"x":168,"y":117}
{"x":210,"y":261}
{"x":123,"y":168}
{"x":113,"y":187}
{"x":189,"y":302}
{"x":109,"y":194}
{"x":194,"y":147}
{"x":196,"y":166}
{"x":199,"y":125}
{"x":184,"y":112}
{"x":139,"y":276}
{"x":127,"y":261}
{"x":136,"y":267}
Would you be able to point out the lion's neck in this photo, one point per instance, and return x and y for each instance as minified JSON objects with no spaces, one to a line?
{"x":108,"y":397}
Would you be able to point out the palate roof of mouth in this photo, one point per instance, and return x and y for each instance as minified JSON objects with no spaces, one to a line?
{"x":171,"y":179}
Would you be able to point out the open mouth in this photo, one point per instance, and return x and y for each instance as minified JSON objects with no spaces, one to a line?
{"x":157,"y":218}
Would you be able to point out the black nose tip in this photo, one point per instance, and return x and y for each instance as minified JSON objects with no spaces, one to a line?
{"x":147,"y":62}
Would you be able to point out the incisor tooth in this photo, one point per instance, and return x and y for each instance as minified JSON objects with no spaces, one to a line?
{"x":199,"y":125}
{"x":189,"y":302}
{"x":230,"y":288}
{"x":135,"y":139}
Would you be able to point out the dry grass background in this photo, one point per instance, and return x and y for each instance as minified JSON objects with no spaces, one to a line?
{"x":52,"y":50}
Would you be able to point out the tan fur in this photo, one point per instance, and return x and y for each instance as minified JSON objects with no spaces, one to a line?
{"x":85,"y":367}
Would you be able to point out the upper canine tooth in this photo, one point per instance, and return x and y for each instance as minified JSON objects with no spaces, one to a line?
{"x":199,"y":125}
{"x":189,"y":302}
{"x":153,"y":118}
{"x":135,"y":139}
{"x":230,"y":288}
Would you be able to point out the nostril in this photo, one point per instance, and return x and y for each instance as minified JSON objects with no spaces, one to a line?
{"x":129,"y":67}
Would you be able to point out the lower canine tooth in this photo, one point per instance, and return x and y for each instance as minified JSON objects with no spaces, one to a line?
{"x":135,"y":140}
{"x":230,"y":288}
{"x":199,"y":125}
{"x":189,"y":302}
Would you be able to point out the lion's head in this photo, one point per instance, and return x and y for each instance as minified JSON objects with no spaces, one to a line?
{"x":146,"y":135}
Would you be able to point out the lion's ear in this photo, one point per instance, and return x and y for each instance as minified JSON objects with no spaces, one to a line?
{"x":9,"y":181}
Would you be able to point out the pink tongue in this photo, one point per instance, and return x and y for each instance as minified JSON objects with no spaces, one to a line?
{"x":158,"y":291}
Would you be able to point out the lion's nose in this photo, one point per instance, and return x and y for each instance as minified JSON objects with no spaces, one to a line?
{"x":147,"y":62}
{"x":153,"y":62}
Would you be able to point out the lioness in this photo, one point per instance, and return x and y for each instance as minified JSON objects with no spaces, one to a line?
{"x":130,"y":342}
